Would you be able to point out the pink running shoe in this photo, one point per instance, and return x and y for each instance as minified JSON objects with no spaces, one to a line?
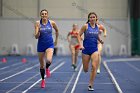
{"x":48,"y":74}
{"x":43,"y":83}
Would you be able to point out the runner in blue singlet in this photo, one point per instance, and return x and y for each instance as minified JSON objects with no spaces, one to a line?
{"x":45,"y":39}
{"x":45,"y":46}
{"x":90,"y":40}
{"x":89,"y":47}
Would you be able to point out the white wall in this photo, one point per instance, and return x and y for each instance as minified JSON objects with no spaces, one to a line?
{"x":21,"y":32}
{"x":16,"y":24}
{"x":20,"y":8}
{"x":66,"y":8}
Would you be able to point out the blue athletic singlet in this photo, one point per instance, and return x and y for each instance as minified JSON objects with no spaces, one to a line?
{"x":45,"y":39}
{"x":90,"y":40}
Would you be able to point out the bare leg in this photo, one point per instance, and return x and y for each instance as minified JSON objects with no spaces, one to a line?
{"x":99,"y":51}
{"x":95,"y":63}
{"x":85,"y":61}
{"x":42,"y":65}
{"x":76,"y":56}
{"x":48,"y":55}
{"x":72,"y":54}
{"x":42,"y":69}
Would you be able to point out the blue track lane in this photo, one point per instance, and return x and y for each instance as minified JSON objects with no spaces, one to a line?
{"x":16,"y":77}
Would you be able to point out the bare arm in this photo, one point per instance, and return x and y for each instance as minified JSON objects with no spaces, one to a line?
{"x":37,"y":33}
{"x":100,"y":40}
{"x":82,"y":30}
{"x":104,"y":30}
{"x":56,"y":32}
{"x":105,"y":33}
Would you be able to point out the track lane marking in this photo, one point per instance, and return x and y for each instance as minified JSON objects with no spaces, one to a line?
{"x":41,"y":79}
{"x":112,"y":78}
{"x":76,"y":81}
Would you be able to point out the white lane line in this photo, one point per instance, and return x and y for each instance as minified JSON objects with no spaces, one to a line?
{"x":10,"y":66}
{"x":123,"y":60}
{"x":15,"y":69}
{"x":41,"y":79}
{"x":68,"y":84}
{"x":16,"y":64}
{"x":19,"y":73}
{"x":85,"y":83}
{"x":112,"y":78}
{"x":80,"y":83}
{"x":26,"y":80}
{"x":134,"y":67}
{"x":22,"y":83}
{"x":4,"y":67}
{"x":76,"y":81}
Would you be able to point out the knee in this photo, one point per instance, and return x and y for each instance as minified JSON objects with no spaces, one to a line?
{"x":85,"y":70}
{"x":76,"y":53}
{"x":94,"y":68}
{"x":73,"y":53}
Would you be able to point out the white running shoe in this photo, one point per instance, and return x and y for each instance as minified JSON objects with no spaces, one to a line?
{"x":98,"y":71}
{"x":74,"y":67}
{"x":90,"y":88}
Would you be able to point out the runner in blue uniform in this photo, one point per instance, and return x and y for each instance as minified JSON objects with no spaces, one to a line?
{"x":45,"y":46}
{"x":90,"y":46}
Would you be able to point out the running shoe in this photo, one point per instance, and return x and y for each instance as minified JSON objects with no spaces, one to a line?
{"x":90,"y":88}
{"x":43,"y":83}
{"x":74,"y":67}
{"x":48,"y":74}
{"x":98,"y":71}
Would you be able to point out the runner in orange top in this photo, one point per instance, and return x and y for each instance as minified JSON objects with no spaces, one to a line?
{"x":100,"y":46}
{"x":72,"y":38}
